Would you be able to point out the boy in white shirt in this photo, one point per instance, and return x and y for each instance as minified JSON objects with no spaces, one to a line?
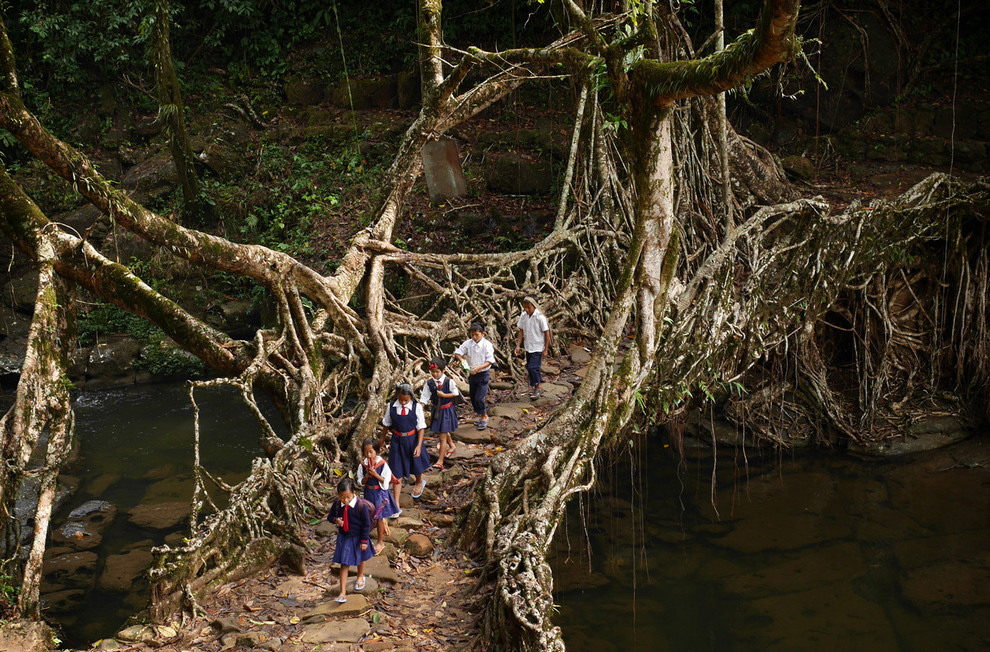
{"x":533,"y":338}
{"x":479,"y":353}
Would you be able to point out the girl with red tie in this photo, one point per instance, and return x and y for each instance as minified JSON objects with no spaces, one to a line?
{"x":406,"y":454}
{"x":352,"y":516}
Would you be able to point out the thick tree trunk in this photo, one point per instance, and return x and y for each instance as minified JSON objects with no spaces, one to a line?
{"x":171,"y":109}
{"x":41,"y":406}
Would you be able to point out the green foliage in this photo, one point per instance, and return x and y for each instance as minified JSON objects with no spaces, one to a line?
{"x":104,"y":320}
{"x":8,"y":595}
{"x":161,"y":359}
{"x":68,"y":38}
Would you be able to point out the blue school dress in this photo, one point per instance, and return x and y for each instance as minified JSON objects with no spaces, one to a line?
{"x":375,"y":493}
{"x":355,"y":531}
{"x":444,"y":413}
{"x":400,"y":453}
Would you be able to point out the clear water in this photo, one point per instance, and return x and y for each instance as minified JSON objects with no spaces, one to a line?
{"x":817,"y":552}
{"x":136,"y":446}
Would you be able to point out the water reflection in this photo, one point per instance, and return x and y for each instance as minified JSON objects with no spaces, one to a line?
{"x":136,"y":448}
{"x":813,"y":553}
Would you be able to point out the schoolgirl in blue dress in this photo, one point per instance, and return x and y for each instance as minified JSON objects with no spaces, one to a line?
{"x":441,"y":391}
{"x":407,"y":455}
{"x":374,"y":475}
{"x":352,"y":516}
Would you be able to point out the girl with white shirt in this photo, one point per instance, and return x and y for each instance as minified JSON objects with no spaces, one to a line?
{"x":406,"y":453}
{"x":441,"y":391}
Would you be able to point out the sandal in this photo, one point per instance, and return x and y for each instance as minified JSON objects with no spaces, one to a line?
{"x":341,"y":599}
{"x":438,"y":466}
{"x":360,"y":584}
{"x":450,"y":453}
{"x":421,"y":489}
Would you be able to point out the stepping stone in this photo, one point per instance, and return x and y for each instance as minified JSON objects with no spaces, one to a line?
{"x":465,"y":453}
{"x":551,"y":369}
{"x":560,"y":389}
{"x":356,"y":604}
{"x":407,"y":522}
{"x":379,"y":568}
{"x":370,"y":584}
{"x":579,"y":355}
{"x":501,"y":384}
{"x":350,"y":630}
{"x":582,"y":372}
{"x":514,"y":411}
{"x":469,"y":434}
{"x":396,"y":536}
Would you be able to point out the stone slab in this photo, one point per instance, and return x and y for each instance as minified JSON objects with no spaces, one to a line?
{"x":356,"y":604}
{"x":350,"y":630}
{"x":442,"y":168}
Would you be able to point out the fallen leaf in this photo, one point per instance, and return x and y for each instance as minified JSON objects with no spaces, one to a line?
{"x":294,"y":620}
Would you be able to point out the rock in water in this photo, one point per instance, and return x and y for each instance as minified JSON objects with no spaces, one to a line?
{"x":159,"y":516}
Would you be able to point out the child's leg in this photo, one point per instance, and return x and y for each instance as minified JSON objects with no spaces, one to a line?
{"x":443,"y":450}
{"x":360,"y":574}
{"x":420,"y":484}
{"x":381,"y":531}
{"x":397,"y":492}
{"x":343,"y":581}
{"x":449,"y":439}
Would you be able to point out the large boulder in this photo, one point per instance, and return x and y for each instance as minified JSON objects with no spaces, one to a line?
{"x":112,"y":362}
{"x":152,"y":177}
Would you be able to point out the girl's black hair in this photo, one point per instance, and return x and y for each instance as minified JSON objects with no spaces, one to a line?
{"x":439,"y":363}
{"x":477,"y":326}
{"x":371,"y":441}
{"x":345,"y":485}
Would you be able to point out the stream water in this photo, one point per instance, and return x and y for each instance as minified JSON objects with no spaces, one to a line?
{"x":136,"y":448}
{"x":812,"y":552}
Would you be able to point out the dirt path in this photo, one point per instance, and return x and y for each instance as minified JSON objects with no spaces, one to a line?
{"x":422,"y":594}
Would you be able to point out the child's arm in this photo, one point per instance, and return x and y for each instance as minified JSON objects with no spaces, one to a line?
{"x":419,"y":442}
{"x":370,"y":466}
{"x":365,"y":534}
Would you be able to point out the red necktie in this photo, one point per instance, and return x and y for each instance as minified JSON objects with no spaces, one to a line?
{"x":347,"y":525}
{"x":403,"y":410}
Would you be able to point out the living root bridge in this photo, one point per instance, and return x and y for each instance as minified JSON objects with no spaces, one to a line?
{"x":798,"y":258}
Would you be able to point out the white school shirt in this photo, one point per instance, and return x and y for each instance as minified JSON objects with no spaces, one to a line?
{"x":412,"y":405}
{"x":425,"y":397}
{"x":384,"y":471}
{"x":477,"y":353}
{"x":533,"y":327}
